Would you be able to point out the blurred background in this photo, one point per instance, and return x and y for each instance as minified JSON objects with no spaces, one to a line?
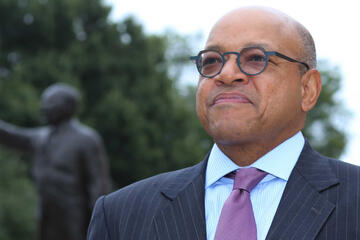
{"x":129,"y":60}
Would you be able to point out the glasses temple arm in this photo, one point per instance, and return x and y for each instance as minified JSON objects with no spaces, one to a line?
{"x":290,"y":59}
{"x":193,"y":58}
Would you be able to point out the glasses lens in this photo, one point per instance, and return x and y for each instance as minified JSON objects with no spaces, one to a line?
{"x":252,"y":60}
{"x":209,"y":63}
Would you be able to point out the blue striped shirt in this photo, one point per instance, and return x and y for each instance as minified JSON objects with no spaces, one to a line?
{"x":265,"y":197}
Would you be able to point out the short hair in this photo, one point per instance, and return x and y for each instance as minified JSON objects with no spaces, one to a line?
{"x":308,"y":51}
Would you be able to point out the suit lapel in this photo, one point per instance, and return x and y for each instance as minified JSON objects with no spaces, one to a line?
{"x":183,"y":217}
{"x":304,"y":208}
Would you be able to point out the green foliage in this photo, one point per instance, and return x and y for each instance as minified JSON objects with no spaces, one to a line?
{"x":322,"y":130}
{"x":128,"y":92}
{"x":18,"y":199}
{"x":128,"y":83}
{"x":122,"y":73}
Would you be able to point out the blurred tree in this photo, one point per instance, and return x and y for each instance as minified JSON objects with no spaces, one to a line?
{"x":122,"y":73}
{"x":128,"y":94}
{"x":325,"y":123}
{"x":18,"y":199}
{"x":128,"y":82}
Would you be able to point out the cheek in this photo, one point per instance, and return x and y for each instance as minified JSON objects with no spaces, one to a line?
{"x":280,"y":103}
{"x":201,"y":96}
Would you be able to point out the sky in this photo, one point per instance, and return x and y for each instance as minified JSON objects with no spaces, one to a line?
{"x":334,"y":26}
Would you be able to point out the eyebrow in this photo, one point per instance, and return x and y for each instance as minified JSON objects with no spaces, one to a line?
{"x":213,"y":47}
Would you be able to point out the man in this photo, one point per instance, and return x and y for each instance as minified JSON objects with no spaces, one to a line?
{"x":70,"y":165}
{"x":257,"y":82}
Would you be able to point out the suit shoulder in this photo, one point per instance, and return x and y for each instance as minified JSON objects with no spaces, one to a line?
{"x":337,"y":166}
{"x":344,"y":169}
{"x":135,"y":206}
{"x":155,"y":182}
{"x":152,"y":185}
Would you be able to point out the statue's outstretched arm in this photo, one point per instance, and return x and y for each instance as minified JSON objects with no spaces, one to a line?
{"x":16,"y":137}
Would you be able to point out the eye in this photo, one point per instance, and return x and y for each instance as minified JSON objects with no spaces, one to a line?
{"x":210,"y":63}
{"x":210,"y":59}
{"x":256,"y":58}
{"x":252,"y":60}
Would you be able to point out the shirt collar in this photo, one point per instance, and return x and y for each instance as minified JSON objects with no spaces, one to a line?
{"x":279,"y":162}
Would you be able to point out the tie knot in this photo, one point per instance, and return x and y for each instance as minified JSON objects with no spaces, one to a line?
{"x":248,"y":178}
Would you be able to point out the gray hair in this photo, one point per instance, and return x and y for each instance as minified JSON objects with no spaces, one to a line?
{"x":308,"y":51}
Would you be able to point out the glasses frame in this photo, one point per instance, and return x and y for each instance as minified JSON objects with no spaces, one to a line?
{"x":267,"y":54}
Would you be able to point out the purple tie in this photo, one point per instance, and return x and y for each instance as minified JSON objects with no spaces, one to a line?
{"x":237,"y":220}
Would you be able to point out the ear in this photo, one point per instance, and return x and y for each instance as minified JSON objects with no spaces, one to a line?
{"x":311,"y":88}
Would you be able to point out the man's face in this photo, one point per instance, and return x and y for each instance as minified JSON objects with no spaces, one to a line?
{"x":235,"y":108}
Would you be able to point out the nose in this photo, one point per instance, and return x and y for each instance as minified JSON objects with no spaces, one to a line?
{"x":230,"y":73}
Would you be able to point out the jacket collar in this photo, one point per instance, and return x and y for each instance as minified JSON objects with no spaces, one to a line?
{"x":303,"y":208}
{"x":183,"y":178}
{"x":183,"y":217}
{"x":315,"y":169}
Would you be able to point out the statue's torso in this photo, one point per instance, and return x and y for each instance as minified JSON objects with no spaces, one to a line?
{"x":59,"y":164}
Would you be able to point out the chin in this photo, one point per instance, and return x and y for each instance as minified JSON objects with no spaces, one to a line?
{"x":230,"y":133}
{"x":226,"y":136}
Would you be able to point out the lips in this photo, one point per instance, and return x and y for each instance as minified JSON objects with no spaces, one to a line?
{"x":232,"y":97}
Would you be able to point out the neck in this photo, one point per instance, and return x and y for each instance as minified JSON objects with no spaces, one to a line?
{"x":246,"y":153}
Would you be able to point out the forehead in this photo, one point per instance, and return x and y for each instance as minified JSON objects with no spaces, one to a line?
{"x":246,"y":27}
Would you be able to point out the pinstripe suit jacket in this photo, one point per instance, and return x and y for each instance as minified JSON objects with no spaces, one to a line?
{"x":321,"y":201}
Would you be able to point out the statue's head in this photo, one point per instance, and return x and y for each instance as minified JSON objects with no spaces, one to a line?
{"x":59,"y":103}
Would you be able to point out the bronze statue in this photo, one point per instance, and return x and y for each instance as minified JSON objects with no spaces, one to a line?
{"x":70,"y":165}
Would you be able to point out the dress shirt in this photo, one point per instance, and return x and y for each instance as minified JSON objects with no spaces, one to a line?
{"x":265,"y":197}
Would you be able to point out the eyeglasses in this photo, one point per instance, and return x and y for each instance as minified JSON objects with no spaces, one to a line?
{"x":251,"y":61}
